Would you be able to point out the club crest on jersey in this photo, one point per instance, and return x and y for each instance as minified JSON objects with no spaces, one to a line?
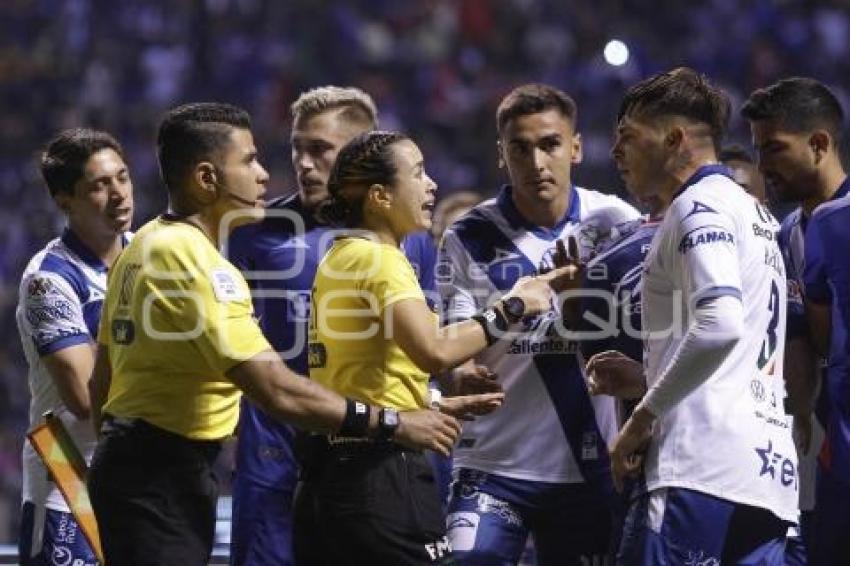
{"x":705,"y":235}
{"x":39,"y":287}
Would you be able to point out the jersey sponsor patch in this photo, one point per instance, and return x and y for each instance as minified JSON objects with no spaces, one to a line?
{"x":47,"y":311}
{"x":225,"y":286}
{"x":705,"y":235}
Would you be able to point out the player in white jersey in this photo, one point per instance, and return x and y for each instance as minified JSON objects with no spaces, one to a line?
{"x":60,"y":298}
{"x":541,"y":466}
{"x":796,"y":126}
{"x":721,"y":470}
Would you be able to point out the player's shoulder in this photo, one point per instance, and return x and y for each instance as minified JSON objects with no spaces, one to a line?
{"x":54,"y":266}
{"x":477,"y":223}
{"x":837,"y":210}
{"x":633,"y":237}
{"x":596,"y":203}
{"x":712,"y":195}
{"x":168,"y":243}
{"x":791,"y":222}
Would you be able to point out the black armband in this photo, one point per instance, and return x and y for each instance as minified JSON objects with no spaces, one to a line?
{"x":356,"y":421}
{"x":493,"y":322}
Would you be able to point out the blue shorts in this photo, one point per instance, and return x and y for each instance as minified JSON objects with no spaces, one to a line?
{"x":261,"y":532}
{"x":682,"y":526}
{"x":490,"y":518}
{"x":49,"y":537}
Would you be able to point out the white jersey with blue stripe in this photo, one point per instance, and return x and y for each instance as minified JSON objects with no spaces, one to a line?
{"x":549,"y":429}
{"x":730,"y":437}
{"x":59,"y":304}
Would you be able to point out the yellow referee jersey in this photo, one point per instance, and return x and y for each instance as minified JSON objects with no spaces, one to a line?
{"x":351,"y":349}
{"x":176,"y":317}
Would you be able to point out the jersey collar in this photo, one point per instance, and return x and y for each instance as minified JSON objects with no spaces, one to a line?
{"x":517,"y":220}
{"x":76,"y":245}
{"x":702,"y":173}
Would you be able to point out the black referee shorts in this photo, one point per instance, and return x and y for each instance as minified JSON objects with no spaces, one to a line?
{"x":373,"y":503}
{"x":154,"y":495}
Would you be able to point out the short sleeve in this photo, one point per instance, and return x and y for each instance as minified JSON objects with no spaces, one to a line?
{"x":454,"y":280}
{"x":707,"y":247}
{"x":207,"y":304}
{"x":52,"y":313}
{"x":392,"y":280}
{"x":815,"y":277}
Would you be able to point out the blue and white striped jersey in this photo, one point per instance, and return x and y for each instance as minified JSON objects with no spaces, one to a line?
{"x":549,"y":429}
{"x":59,"y":303}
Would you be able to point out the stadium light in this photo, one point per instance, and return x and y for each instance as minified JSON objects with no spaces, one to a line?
{"x":616,"y":53}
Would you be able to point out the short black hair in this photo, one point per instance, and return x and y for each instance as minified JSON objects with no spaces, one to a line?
{"x":533,"y":98}
{"x":798,"y":104}
{"x":364,"y":161}
{"x":193,"y":133}
{"x":680,"y":92}
{"x":63,"y":161}
{"x":735,"y":152}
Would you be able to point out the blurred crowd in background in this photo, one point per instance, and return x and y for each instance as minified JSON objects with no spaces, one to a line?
{"x":436,"y":68}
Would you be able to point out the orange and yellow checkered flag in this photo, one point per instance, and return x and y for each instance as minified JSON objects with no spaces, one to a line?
{"x":68,"y":469}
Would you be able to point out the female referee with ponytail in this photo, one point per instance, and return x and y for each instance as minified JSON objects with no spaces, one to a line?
{"x":374,"y":339}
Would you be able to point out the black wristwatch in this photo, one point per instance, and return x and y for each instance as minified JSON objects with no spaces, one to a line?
{"x":387,"y":423}
{"x":514,"y":308}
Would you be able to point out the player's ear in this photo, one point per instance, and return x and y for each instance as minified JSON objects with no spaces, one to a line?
{"x":577,"y":149}
{"x":379,"y":196}
{"x":63,"y":200}
{"x":500,"y":154}
{"x":205,"y":178}
{"x":819,"y":142}
{"x":673,"y":138}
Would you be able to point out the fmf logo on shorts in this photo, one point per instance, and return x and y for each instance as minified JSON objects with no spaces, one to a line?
{"x":705,"y":235}
{"x":777,"y":466}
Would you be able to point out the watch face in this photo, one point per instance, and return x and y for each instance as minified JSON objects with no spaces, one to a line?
{"x":390,"y":418}
{"x":514,"y":307}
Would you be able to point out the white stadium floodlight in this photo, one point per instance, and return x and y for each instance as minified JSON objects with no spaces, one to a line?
{"x":616,"y":53}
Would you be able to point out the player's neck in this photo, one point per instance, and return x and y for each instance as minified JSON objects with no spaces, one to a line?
{"x":383,"y":233}
{"x":106,"y":247}
{"x":680,"y":173}
{"x":542,"y":213}
{"x":203,"y":221}
{"x":827,"y":185}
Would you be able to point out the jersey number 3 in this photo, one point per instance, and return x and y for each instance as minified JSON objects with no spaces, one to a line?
{"x":769,"y":345}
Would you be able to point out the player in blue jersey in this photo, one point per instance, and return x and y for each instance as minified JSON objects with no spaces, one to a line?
{"x":540,"y":467}
{"x":720,"y":452}
{"x":796,"y":125}
{"x":827,"y":285}
{"x":279,"y":257}
{"x":60,"y":300}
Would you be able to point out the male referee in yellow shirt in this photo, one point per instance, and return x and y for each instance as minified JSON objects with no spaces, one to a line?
{"x":177,"y":344}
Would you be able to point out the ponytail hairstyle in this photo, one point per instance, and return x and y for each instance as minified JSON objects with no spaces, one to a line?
{"x":364,"y":161}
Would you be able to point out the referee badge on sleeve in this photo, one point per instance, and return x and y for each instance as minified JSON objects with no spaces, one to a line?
{"x":225,"y":286}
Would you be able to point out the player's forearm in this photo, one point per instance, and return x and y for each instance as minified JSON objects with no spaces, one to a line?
{"x":454,"y":345}
{"x":717,"y":327}
{"x":288,"y":397}
{"x":70,"y":369}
